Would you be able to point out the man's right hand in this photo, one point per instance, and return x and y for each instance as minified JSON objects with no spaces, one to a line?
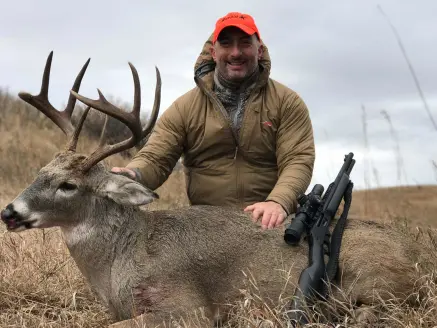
{"x":122,"y":170}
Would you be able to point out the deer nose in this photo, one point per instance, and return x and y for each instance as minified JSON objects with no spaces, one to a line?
{"x":8,"y":213}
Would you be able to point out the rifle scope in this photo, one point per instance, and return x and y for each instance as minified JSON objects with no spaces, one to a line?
{"x":308,"y":206}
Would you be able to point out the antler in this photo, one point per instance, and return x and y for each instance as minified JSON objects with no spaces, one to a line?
{"x":131,"y":120}
{"x":61,"y":118}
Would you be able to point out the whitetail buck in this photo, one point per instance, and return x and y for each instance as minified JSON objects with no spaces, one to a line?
{"x":162,"y":263}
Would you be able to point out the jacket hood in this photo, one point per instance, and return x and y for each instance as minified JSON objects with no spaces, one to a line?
{"x":206,"y":64}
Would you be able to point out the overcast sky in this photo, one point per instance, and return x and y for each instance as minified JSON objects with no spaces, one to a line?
{"x":340,"y":56}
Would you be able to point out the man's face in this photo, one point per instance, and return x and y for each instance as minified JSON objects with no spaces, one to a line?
{"x":236,"y":54}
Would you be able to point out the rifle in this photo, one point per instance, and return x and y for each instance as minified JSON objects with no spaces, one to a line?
{"x":314,"y":217}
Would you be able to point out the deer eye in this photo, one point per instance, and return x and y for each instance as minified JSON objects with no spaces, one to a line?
{"x":67,"y":186}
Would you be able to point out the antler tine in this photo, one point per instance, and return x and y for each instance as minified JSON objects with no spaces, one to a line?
{"x":155,"y":111}
{"x":131,"y":119}
{"x":102,"y":133}
{"x":76,"y":86}
{"x":61,"y":118}
{"x":72,"y":144}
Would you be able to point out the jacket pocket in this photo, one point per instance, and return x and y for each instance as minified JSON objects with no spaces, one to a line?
{"x":211,"y":187}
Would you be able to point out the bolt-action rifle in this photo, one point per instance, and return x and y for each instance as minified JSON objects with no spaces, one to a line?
{"x":314,"y":216}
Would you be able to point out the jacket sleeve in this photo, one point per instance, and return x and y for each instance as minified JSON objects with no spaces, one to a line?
{"x":295,"y":153}
{"x":156,"y":160}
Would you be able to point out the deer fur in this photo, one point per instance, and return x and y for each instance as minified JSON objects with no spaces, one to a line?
{"x":168,"y":263}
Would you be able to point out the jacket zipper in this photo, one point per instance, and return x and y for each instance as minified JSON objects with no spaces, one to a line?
{"x":216,"y":103}
{"x":239,"y":187}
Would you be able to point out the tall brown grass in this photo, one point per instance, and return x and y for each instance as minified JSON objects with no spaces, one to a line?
{"x":40,"y":285}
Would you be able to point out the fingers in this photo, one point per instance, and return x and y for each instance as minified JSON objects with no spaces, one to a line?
{"x":267,"y":217}
{"x":273,"y":219}
{"x":272,"y":215}
{"x":250,"y":208}
{"x":124,"y":170}
{"x":281,"y":218}
{"x":257,"y":213}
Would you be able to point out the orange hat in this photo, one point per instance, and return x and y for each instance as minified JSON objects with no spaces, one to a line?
{"x":242,"y":21}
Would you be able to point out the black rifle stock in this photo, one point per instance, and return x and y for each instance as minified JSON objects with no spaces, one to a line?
{"x":314,"y":216}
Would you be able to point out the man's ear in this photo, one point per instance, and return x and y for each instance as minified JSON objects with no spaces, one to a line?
{"x":260,"y":51}
{"x":126,"y":191}
{"x":213,"y":54}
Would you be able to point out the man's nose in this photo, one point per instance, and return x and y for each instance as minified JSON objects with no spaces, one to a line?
{"x":235,"y":51}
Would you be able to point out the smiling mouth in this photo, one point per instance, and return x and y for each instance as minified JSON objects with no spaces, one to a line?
{"x":236,"y":64}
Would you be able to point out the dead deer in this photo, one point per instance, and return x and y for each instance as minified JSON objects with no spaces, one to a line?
{"x":166,"y":263}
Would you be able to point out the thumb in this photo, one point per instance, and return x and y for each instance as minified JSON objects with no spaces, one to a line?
{"x":249,"y":208}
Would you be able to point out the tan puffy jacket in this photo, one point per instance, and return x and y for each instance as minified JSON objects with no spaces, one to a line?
{"x":273,"y":158}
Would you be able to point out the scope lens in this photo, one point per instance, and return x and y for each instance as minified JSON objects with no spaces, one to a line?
{"x":292,"y":237}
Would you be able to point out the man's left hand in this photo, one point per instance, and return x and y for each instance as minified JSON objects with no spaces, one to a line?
{"x":272,"y":214}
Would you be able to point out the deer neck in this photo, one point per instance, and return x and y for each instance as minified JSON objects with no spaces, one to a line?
{"x":96,"y":239}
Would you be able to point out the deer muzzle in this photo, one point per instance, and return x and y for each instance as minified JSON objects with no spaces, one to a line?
{"x":12,"y":218}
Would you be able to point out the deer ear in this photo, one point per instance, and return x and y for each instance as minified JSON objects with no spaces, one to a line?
{"x":126,"y":191}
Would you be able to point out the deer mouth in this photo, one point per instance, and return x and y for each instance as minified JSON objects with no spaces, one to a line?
{"x":13,"y":221}
{"x":16,"y":225}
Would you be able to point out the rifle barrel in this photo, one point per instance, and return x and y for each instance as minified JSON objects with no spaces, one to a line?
{"x":345,"y":168}
{"x":351,"y":166}
{"x":337,"y":195}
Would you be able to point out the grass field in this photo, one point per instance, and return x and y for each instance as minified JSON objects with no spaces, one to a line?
{"x":40,"y":285}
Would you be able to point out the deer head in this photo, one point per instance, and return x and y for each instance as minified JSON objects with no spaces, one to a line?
{"x":68,"y":188}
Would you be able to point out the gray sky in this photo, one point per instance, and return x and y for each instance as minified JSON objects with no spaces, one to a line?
{"x":338,"y":55}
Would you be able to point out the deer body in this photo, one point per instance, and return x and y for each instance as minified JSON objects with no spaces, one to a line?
{"x":170,"y":262}
{"x":173,"y":262}
{"x":140,"y":261}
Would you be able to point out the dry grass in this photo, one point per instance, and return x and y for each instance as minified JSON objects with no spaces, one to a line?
{"x":40,"y":285}
{"x":416,"y":204}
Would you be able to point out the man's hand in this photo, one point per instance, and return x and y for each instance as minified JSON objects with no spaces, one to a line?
{"x":272,"y":214}
{"x":124,"y":170}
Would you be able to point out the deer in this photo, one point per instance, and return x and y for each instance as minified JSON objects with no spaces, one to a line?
{"x":162,"y":264}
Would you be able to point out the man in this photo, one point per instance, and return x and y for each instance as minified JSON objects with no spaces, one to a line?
{"x":246,"y":140}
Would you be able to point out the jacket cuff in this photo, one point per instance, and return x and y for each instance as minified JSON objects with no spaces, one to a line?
{"x":137,"y":171}
{"x":138,"y":175}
